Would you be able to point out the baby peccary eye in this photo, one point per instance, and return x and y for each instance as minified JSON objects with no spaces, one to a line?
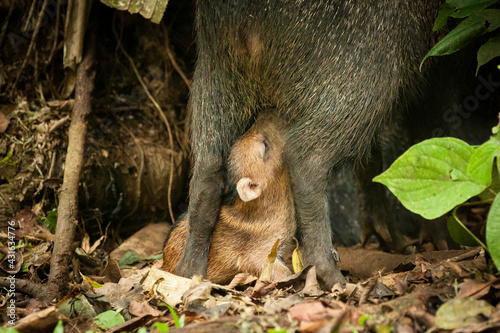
{"x":266,"y":146}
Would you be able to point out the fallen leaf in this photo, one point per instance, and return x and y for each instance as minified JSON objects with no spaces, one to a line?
{"x":461,"y":312}
{"x":198,"y":292}
{"x":112,"y":271}
{"x":168,"y":287}
{"x":4,"y":122}
{"x":143,"y":308}
{"x":311,"y":286}
{"x":241,"y":279}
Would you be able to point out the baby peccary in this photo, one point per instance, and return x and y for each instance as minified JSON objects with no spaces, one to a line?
{"x":262,"y":212}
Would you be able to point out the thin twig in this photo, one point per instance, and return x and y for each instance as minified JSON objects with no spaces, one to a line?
{"x":56,"y":33}
{"x":30,"y":15}
{"x":466,"y":255}
{"x":32,"y":44}
{"x":6,"y":23}
{"x":163,"y":118}
{"x":172,"y":58}
{"x":139,"y":175}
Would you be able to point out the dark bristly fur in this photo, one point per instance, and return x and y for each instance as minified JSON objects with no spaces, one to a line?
{"x":334,"y":69}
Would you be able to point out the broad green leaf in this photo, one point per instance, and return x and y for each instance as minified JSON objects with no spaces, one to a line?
{"x":460,"y":234}
{"x":459,"y":9}
{"x":464,"y":8}
{"x":108,"y":319}
{"x":129,"y":258}
{"x":480,"y":166}
{"x":456,"y":39}
{"x":493,"y":232}
{"x":474,"y":26}
{"x":488,"y":51}
{"x":442,"y":18}
{"x":462,"y":312}
{"x":78,"y":305}
{"x":431,"y":178}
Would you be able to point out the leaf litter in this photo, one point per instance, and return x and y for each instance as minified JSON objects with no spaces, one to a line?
{"x":423,"y":292}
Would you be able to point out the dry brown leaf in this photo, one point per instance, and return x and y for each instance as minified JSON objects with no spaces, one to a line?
{"x":241,"y":279}
{"x":143,"y":308}
{"x":311,"y":286}
{"x":112,"y":271}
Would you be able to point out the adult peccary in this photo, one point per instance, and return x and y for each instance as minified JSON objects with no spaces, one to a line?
{"x":336,"y":70}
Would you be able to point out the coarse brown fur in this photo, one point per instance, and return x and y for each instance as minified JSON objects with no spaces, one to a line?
{"x":246,"y":231}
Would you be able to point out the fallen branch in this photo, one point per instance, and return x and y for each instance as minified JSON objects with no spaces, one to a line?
{"x":68,"y":204}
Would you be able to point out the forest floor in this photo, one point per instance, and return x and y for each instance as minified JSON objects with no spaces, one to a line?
{"x":420,"y":292}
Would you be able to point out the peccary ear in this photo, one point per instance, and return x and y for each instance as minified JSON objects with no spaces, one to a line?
{"x":247,"y":190}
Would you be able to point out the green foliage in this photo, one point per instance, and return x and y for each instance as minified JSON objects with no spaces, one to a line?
{"x":441,"y":174}
{"x":7,"y":160}
{"x":161,"y":327}
{"x":178,"y":322}
{"x":59,"y":327}
{"x":493,"y":232}
{"x":108,"y":319}
{"x":462,"y":312}
{"x":50,"y":221}
{"x":431,"y":178}
{"x":478,"y":22}
{"x":8,"y":330}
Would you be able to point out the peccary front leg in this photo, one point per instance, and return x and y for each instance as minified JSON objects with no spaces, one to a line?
{"x":309,"y":188}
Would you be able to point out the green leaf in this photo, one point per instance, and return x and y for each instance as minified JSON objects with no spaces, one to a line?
{"x":59,"y":327}
{"x":480,"y":166}
{"x":442,"y":18}
{"x":461,"y":234}
{"x":177,"y":322}
{"x":362,"y":320}
{"x":161,"y":327}
{"x":142,"y":330}
{"x":129,"y":258}
{"x":50,"y":221}
{"x":462,"y":312}
{"x":493,"y":232}
{"x":456,"y":39}
{"x":488,"y":51}
{"x":464,"y":8}
{"x":108,"y":319}
{"x":431,"y":178}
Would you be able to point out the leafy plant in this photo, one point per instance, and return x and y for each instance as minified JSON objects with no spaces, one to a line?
{"x":50,"y":221}
{"x":439,"y":175}
{"x":108,"y":319}
{"x":178,"y":322}
{"x":7,"y":160}
{"x":478,"y":21}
